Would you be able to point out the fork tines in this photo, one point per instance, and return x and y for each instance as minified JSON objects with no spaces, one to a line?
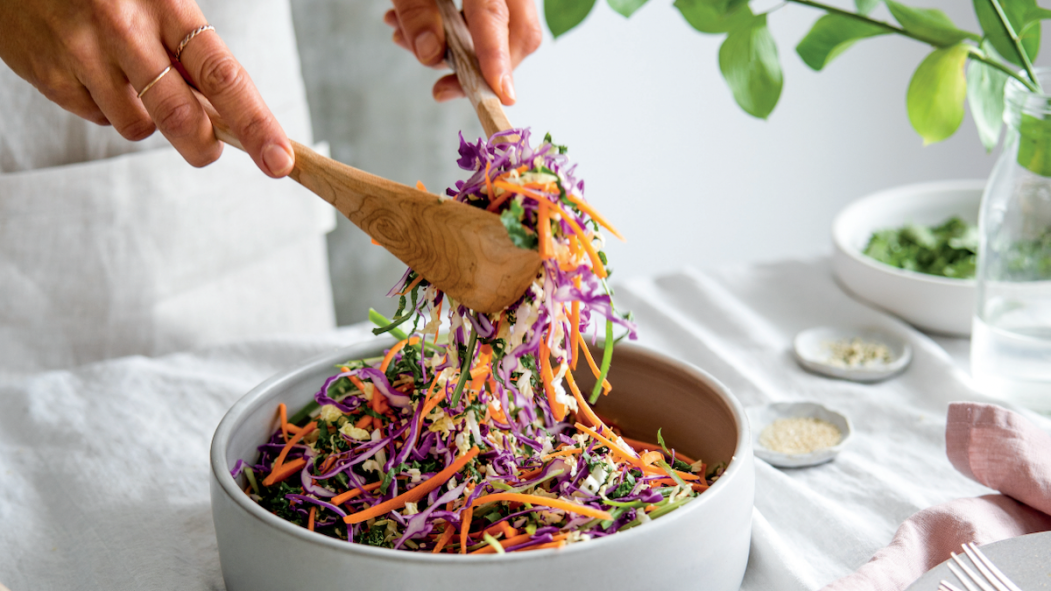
{"x":990,"y":578}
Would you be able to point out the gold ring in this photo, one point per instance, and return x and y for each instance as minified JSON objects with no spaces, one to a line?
{"x":154,"y":81}
{"x":187,"y":38}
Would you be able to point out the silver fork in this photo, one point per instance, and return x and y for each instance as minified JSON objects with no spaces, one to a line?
{"x":990,"y":578}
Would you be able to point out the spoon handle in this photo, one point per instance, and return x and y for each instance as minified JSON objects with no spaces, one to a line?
{"x":464,"y":62}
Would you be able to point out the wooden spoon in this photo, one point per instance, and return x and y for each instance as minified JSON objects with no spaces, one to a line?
{"x":463,"y":250}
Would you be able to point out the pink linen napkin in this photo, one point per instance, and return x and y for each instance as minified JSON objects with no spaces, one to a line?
{"x":989,"y":444}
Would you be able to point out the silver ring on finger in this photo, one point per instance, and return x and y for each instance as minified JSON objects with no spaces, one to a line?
{"x":154,"y":81}
{"x":189,"y":37}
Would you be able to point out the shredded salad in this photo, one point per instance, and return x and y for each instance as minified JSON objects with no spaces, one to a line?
{"x":477,"y":439}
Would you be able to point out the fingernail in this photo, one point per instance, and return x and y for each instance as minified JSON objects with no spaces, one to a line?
{"x":508,"y":87}
{"x":427,"y":47}
{"x":277,"y":159}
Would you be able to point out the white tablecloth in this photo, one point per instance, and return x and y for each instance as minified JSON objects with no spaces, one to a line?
{"x":104,"y":468}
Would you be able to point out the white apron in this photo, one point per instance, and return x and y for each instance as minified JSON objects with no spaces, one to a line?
{"x":112,"y":248}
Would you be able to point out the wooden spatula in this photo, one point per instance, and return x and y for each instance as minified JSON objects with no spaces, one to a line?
{"x":465,"y":251}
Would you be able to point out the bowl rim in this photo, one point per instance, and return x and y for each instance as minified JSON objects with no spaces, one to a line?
{"x":221,"y":474}
{"x":839,"y":240}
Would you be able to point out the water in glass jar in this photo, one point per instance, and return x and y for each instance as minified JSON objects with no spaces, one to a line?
{"x":1011,"y":343}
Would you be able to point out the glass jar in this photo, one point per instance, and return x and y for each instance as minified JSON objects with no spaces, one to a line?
{"x":1011,"y":335}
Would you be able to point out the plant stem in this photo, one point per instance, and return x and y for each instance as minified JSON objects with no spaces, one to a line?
{"x":975,"y":53}
{"x":1026,"y":63}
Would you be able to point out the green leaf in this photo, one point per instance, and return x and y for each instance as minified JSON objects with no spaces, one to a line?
{"x":1024,"y":16}
{"x":563,"y":15}
{"x":985,"y":95}
{"x":1034,"y":144}
{"x":715,"y":16}
{"x":626,"y":8}
{"x":936,"y":93}
{"x":928,"y":23}
{"x":866,"y":6}
{"x":830,"y":36}
{"x":749,"y":63}
{"x":519,"y":234}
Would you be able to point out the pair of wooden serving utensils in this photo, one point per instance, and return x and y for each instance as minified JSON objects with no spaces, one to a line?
{"x":463,"y":250}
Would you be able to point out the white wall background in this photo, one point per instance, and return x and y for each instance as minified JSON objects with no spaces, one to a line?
{"x":668,"y":156}
{"x":690,"y":178}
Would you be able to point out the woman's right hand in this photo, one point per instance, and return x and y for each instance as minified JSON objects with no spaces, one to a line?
{"x":92,"y":57}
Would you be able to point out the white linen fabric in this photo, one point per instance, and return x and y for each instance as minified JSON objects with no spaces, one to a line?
{"x":104,"y":468}
{"x":111,"y":248}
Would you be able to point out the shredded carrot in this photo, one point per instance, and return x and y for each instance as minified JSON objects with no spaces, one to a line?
{"x":558,"y":410}
{"x":411,"y":285}
{"x":468,"y":514}
{"x":696,"y":486}
{"x":519,"y":539}
{"x":569,"y":451}
{"x":352,"y":493}
{"x":284,"y":471}
{"x":616,"y":449}
{"x":419,"y":185}
{"x":530,"y":474}
{"x":327,"y":464}
{"x":501,"y":528}
{"x":364,"y":420}
{"x":596,"y":263}
{"x":296,"y":438}
{"x":310,"y":520}
{"x":357,"y":382}
{"x":543,"y":501}
{"x":558,"y":544}
{"x":588,"y":209}
{"x":543,"y":228}
{"x":282,"y":412}
{"x":650,"y":457}
{"x":606,"y":386}
{"x":447,"y":534}
{"x":394,"y":350}
{"x":415,"y":494}
{"x":650,"y":508}
{"x":583,"y":408}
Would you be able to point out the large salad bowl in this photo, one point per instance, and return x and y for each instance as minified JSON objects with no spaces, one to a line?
{"x":702,"y":545}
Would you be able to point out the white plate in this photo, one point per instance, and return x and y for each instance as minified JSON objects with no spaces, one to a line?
{"x":1025,"y":559}
{"x":931,"y":303}
{"x":761,"y":416}
{"x":812,"y":351}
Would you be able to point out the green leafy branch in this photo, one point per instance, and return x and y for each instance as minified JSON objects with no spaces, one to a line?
{"x":963,"y":67}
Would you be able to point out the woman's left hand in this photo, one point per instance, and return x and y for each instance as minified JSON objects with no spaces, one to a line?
{"x":504,"y":33}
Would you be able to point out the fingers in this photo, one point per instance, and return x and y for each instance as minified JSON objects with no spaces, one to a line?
{"x":167,"y":103}
{"x":447,"y":88}
{"x":220,"y":78}
{"x":420,"y":25}
{"x":114,"y":96}
{"x":489,"y":23}
{"x":525,"y":33}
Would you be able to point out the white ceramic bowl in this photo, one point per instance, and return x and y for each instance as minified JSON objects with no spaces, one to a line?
{"x":935,"y":304}
{"x":703,"y":545}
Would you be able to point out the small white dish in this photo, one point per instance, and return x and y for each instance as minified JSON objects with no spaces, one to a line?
{"x":813,"y":351}
{"x":762,"y":416}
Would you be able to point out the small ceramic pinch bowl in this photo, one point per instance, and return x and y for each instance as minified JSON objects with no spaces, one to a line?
{"x":762,"y":416}
{"x":813,"y":351}
{"x":702,"y":545}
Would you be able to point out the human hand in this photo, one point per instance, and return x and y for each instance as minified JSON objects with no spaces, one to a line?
{"x":94,"y":57}
{"x":504,"y":33}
